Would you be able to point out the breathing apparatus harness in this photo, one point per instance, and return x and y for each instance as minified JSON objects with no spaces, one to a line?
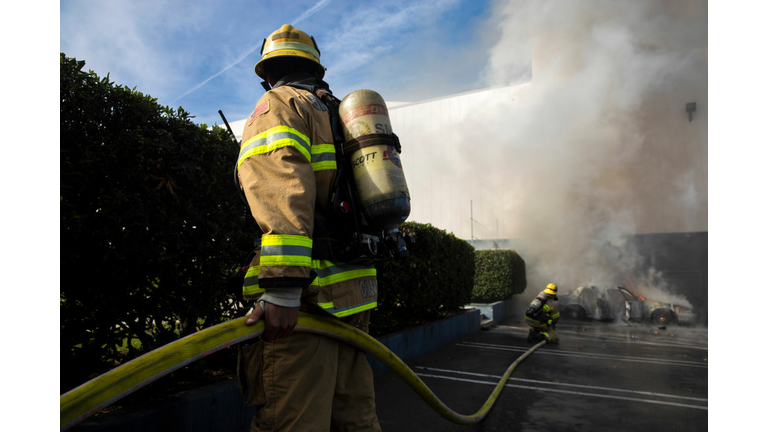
{"x":344,"y":236}
{"x":536,"y":312}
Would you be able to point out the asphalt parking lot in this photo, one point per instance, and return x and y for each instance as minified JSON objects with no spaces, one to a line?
{"x":599,"y":377}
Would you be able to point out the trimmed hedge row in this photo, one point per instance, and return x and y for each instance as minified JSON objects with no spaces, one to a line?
{"x":499,"y":274}
{"x":152,"y":228}
{"x":433,"y":282}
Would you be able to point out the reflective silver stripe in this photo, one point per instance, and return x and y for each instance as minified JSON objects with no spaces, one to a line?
{"x":332,"y":270}
{"x":329,"y":274}
{"x":278,"y":250}
{"x":323,"y":157}
{"x":251,"y":281}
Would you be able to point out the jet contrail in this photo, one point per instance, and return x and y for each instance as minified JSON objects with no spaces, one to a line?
{"x":321,"y":4}
{"x":308,"y":13}
{"x":239,"y":59}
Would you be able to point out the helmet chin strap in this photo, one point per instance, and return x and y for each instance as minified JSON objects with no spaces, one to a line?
{"x":266,"y":86}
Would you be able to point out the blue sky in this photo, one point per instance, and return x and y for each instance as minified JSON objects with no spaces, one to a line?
{"x":200,"y":55}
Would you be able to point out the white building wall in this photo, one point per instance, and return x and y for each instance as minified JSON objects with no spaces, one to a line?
{"x":444,"y":190}
{"x":455,"y":153}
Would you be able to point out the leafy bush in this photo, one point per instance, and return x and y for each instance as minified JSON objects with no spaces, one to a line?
{"x":152,"y":228}
{"x":499,"y":274}
{"x":519,"y":280}
{"x":433,"y":282}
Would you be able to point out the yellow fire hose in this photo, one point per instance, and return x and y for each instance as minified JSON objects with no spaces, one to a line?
{"x":80,"y":403}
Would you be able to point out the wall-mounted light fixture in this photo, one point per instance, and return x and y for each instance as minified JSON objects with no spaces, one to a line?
{"x":690,"y":108}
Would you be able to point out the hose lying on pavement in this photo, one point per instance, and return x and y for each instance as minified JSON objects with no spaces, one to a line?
{"x":80,"y":403}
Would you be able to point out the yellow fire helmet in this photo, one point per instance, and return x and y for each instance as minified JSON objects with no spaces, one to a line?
{"x":551,"y":289}
{"x":290,"y":42}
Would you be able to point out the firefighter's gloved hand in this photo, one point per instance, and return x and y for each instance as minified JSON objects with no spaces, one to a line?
{"x":530,"y":313}
{"x":279,"y":321}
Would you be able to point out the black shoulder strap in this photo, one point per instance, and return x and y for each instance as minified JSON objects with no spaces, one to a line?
{"x":342,"y":189}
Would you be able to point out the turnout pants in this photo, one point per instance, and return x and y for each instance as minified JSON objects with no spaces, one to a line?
{"x":547,"y":332}
{"x":308,"y":382}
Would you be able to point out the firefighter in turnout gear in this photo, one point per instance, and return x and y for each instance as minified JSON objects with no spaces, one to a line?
{"x":286,"y":168}
{"x":542,"y":316}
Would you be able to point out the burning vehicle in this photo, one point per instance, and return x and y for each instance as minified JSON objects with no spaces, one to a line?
{"x":620,"y":303}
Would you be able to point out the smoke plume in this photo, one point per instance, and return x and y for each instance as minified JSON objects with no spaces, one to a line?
{"x":596,"y":144}
{"x":591,"y":148}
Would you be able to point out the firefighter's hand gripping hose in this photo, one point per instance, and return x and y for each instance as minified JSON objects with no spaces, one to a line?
{"x":80,"y":403}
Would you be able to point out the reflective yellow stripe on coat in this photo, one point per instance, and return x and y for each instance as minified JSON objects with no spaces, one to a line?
{"x":251,"y":282}
{"x":286,"y":250}
{"x":534,"y":323}
{"x":323,"y":157}
{"x":342,"y":312}
{"x":327,"y":274}
{"x":273,"y":139}
{"x":330,"y":273}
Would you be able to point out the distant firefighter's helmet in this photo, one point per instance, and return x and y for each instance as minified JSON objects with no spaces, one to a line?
{"x":551,"y":289}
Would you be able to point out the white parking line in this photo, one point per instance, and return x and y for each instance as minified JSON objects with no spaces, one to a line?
{"x":580,"y":354}
{"x":610,"y":338}
{"x":497,"y":377}
{"x":566,"y":392}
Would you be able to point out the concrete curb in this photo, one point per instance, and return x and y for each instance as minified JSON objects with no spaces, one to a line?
{"x":220,"y":407}
{"x":491,"y":313}
{"x":414,"y":342}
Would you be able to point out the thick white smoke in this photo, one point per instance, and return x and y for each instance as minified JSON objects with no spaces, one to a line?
{"x":598,"y":145}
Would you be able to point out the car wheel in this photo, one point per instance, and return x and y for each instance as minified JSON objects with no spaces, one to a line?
{"x":575,"y":312}
{"x":662,"y":317}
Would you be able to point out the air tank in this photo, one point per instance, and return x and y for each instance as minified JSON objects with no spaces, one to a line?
{"x":375,"y":161}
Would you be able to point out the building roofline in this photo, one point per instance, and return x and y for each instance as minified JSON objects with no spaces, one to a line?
{"x":410,"y":104}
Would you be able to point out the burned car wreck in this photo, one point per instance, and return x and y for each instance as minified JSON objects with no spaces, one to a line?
{"x":619,"y":303}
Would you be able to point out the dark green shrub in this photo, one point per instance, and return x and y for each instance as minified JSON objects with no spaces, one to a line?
{"x":151,"y":224}
{"x":499,"y":274}
{"x":433,"y":282}
{"x":519,"y":280}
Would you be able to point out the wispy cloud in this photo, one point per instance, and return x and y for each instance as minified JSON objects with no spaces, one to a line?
{"x":128,"y":56}
{"x":306,"y":14}
{"x":235,"y":63}
{"x":142,"y":44}
{"x":372,"y":30}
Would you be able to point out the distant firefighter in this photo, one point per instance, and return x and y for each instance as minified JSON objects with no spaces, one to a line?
{"x":542,"y":316}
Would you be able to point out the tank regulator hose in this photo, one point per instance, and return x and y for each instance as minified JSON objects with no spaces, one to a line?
{"x":87,"y":399}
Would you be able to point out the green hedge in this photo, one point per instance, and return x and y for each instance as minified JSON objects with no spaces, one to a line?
{"x":152,"y":228}
{"x":499,"y":274}
{"x":519,"y":280}
{"x":435,"y":281}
